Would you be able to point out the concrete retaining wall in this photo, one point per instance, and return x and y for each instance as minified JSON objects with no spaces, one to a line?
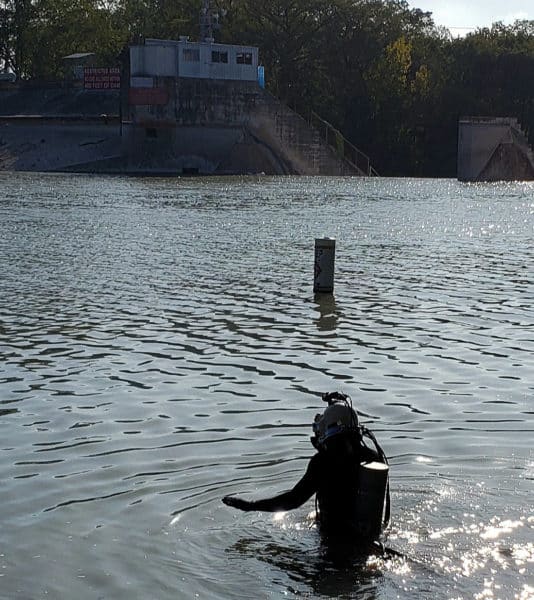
{"x":493,"y":149}
{"x":199,"y":126}
{"x":233,"y":122}
{"x":31,"y":144}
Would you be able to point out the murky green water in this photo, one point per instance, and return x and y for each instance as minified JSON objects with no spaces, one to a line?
{"x":161,"y":347}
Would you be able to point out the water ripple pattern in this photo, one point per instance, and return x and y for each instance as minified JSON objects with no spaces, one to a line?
{"x":161,"y":347}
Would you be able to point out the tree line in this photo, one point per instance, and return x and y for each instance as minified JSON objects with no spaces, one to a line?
{"x":381,"y":72}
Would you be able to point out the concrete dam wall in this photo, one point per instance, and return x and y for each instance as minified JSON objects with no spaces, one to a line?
{"x":56,"y":144}
{"x":182,"y":126}
{"x":216,"y":126}
{"x":57,"y":129}
{"x":493,"y":149}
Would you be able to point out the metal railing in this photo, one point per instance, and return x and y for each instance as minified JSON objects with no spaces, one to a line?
{"x":341,"y":146}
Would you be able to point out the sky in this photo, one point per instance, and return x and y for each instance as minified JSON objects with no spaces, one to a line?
{"x":462,"y":16}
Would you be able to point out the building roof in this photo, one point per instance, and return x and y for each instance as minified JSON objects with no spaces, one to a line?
{"x":78,"y":55}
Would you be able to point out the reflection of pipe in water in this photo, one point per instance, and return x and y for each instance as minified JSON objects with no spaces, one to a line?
{"x":328,"y":317}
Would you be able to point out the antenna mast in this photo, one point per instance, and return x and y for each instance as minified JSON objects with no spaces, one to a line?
{"x":206,"y":21}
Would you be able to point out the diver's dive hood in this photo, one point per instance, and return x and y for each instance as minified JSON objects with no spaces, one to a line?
{"x":339,"y":417}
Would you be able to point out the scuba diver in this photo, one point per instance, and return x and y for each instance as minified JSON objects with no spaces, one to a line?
{"x":349,"y":478}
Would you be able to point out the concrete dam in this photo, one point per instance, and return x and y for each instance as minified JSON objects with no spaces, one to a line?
{"x":183,"y":108}
{"x":493,"y":149}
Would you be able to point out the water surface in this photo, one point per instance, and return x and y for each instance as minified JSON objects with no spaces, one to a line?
{"x":161,"y":347}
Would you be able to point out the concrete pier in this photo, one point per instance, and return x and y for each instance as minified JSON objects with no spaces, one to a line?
{"x":493,"y":149}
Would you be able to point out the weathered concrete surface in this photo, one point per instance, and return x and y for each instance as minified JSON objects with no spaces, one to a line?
{"x":295,"y":140}
{"x":190,"y":150}
{"x":493,"y":149}
{"x":219,"y":126}
{"x":30,"y":144}
{"x":204,"y":127}
{"x":57,"y":129}
{"x":509,"y":162}
{"x":57,"y":101}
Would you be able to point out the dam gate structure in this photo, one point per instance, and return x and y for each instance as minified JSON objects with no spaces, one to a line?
{"x":493,"y":149}
{"x":198,"y":107}
{"x":183,"y":108}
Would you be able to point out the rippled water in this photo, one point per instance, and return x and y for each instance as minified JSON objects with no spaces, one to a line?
{"x":161,"y":347}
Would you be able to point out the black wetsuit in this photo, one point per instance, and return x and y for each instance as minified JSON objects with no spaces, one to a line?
{"x":332,"y":474}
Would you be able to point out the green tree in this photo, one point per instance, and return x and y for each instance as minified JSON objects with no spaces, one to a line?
{"x":166,"y":19}
{"x":287,"y":33}
{"x":61,"y":27}
{"x":14,"y":34}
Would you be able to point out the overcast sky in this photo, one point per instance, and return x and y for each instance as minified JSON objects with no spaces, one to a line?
{"x":461,"y":16}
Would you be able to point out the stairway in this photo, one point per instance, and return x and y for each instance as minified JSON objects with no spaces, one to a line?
{"x":302,"y":145}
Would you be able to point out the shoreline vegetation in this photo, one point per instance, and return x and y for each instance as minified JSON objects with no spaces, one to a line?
{"x":385,"y":75}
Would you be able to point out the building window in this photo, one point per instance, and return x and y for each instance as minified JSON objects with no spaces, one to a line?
{"x":244,"y":58}
{"x":191,"y":54}
{"x":219,"y":57}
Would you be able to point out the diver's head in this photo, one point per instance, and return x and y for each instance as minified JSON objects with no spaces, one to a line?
{"x":338,"y":418}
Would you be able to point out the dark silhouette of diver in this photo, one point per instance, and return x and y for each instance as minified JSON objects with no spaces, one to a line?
{"x":349,"y":478}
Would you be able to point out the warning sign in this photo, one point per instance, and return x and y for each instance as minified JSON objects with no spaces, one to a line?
{"x":101,"y":78}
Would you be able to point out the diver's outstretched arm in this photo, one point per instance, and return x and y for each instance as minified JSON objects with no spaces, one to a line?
{"x":294,"y":498}
{"x":238,"y":503}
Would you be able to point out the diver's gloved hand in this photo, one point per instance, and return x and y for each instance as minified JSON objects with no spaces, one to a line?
{"x":237,"y":503}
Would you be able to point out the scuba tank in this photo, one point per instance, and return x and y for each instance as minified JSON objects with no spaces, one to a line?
{"x":371,"y":499}
{"x":373,"y":505}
